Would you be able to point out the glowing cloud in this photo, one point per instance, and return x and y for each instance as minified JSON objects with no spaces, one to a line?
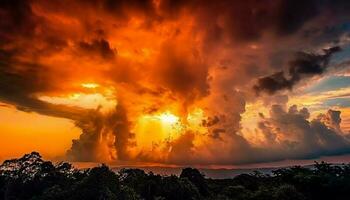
{"x":178,"y":83}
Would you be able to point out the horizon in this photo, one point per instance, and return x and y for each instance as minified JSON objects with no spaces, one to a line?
{"x":216,"y":173}
{"x":27,"y":161}
{"x":231,"y":84}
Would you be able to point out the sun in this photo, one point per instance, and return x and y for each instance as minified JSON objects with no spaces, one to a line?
{"x":90,"y":85}
{"x":168,"y":118}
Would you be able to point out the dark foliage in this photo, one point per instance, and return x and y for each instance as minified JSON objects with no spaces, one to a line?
{"x":32,"y":178}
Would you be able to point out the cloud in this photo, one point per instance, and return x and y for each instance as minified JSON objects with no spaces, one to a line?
{"x":329,"y":84}
{"x":20,"y":81}
{"x":286,"y":135}
{"x":304,"y":65}
{"x":17,"y":18}
{"x":332,"y":119}
{"x":182,"y":149}
{"x":98,"y":47}
{"x":183,"y":71}
{"x":152,"y":57}
{"x":291,"y":135}
{"x":104,"y":137}
{"x":238,"y":21}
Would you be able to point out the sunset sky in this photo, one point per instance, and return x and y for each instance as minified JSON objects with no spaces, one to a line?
{"x":175,"y":83}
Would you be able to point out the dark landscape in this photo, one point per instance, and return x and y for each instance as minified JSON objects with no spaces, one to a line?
{"x":215,"y":173}
{"x":30,"y":177}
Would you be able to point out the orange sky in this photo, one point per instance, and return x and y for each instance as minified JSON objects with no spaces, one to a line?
{"x":165,"y":83}
{"x":25,"y":132}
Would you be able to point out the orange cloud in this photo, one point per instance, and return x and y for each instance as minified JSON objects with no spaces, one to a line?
{"x":154,"y":81}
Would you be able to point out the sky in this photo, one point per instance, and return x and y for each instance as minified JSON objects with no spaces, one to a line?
{"x":175,"y":83}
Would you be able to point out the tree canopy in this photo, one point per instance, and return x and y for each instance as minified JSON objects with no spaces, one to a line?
{"x":32,"y":178}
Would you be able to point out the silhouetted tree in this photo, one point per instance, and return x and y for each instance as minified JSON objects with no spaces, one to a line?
{"x":32,"y":178}
{"x":197,"y":179}
{"x":287,"y":192}
{"x":174,"y":188}
{"x":236,"y":192}
{"x":101,"y":183}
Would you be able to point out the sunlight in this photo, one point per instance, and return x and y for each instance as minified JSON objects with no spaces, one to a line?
{"x":90,"y":85}
{"x":88,"y":101}
{"x":168,"y":118}
{"x":156,"y":129}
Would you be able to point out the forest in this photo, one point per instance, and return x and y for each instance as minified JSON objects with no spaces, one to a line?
{"x":32,"y":178}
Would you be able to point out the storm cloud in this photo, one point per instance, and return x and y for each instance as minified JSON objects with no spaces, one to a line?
{"x":304,"y":65}
{"x":112,"y":129}
{"x":287,"y":135}
{"x":292,"y":135}
{"x":200,"y":63}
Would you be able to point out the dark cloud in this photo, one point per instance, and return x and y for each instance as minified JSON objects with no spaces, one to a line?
{"x":182,"y":148}
{"x":291,"y":135}
{"x":273,"y":83}
{"x":287,"y":135}
{"x":31,"y":30}
{"x":182,"y":71}
{"x":21,"y":81}
{"x":247,"y":21}
{"x":294,"y":13}
{"x":104,"y":137}
{"x":332,"y":119}
{"x":310,"y":64}
{"x":98,"y":47}
{"x":211,"y":121}
{"x":122,"y":8}
{"x":16,"y":18}
{"x":304,"y":65}
{"x":120,"y":126}
{"x":86,"y":147}
{"x":238,"y":21}
{"x":216,"y":133}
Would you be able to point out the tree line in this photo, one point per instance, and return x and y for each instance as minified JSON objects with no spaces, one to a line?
{"x":32,"y":178}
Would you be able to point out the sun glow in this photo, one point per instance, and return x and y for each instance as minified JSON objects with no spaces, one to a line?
{"x":82,"y":100}
{"x":168,"y":118}
{"x":90,"y":85}
{"x":161,"y":128}
{"x":154,"y":129}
